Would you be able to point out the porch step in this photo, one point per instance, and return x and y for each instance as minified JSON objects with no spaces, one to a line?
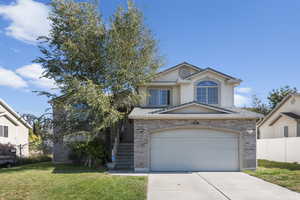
{"x":124,"y":157}
{"x":125,"y":148}
{"x":124,"y":167}
{"x":129,"y":162}
{"x":122,"y":152}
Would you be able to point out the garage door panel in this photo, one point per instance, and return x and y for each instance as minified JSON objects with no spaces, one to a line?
{"x":192,"y":153}
{"x":190,"y":133}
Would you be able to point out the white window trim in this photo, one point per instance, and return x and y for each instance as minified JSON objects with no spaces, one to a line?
{"x":218,"y":86}
{"x":3,"y":128}
{"x":159,"y":96}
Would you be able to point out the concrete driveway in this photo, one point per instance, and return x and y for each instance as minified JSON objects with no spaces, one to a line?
{"x":214,"y":186}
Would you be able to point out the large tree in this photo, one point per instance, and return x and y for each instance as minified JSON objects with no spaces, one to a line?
{"x":97,"y":65}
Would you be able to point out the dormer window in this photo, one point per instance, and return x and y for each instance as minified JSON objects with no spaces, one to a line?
{"x":208,"y":92}
{"x":159,"y":97}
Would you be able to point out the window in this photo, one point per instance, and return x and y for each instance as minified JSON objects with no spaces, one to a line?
{"x":3,"y":131}
{"x":286,"y":131}
{"x":208,"y":92}
{"x":159,"y":97}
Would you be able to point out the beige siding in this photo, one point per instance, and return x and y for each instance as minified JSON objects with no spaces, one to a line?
{"x":17,"y":132}
{"x":281,"y":123}
{"x":276,"y":130}
{"x":226,"y":90}
{"x":173,"y":75}
{"x":175,"y":95}
{"x":186,"y":92}
{"x":193,"y":109}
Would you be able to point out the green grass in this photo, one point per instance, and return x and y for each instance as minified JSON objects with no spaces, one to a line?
{"x":45,"y":181}
{"x":283,"y":174}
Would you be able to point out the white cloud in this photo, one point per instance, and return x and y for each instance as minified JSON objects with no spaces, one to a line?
{"x":244,"y":90}
{"x":28,"y":20}
{"x":33,"y":73}
{"x":241,"y":101}
{"x":11,"y":79}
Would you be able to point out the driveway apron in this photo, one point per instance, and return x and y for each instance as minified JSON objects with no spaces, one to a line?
{"x":183,"y":186}
{"x":214,"y":186}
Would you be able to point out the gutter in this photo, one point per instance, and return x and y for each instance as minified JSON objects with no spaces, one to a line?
{"x":190,"y":116}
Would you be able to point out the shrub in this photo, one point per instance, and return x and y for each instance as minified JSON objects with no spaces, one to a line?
{"x":33,"y":159}
{"x":88,"y":153}
{"x":7,"y":150}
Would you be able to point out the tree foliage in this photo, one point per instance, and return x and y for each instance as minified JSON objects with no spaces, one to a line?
{"x":277,"y":95}
{"x":97,"y":66}
{"x":40,"y":135}
{"x":274,"y":97}
{"x":258,"y":106}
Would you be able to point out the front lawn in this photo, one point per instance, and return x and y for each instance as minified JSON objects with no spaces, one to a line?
{"x":283,"y":174}
{"x":45,"y":181}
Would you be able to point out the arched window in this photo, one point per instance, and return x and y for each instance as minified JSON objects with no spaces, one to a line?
{"x":208,"y":92}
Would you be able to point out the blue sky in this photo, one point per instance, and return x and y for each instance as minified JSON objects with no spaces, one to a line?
{"x":257,"y":41}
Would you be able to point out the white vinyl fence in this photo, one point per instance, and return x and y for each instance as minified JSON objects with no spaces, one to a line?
{"x":279,"y":149}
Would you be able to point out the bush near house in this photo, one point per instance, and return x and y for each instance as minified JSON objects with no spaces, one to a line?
{"x":33,"y":159}
{"x":88,"y":153}
{"x":283,"y":174}
{"x":7,"y":150}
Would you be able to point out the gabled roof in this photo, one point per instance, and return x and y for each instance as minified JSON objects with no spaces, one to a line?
{"x":277,"y":108}
{"x":173,"y":108}
{"x":15,"y":114}
{"x":164,"y":113}
{"x":291,"y":115}
{"x":179,"y":65}
{"x":287,"y":114}
{"x":214,"y":71}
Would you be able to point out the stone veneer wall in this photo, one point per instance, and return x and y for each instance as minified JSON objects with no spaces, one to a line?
{"x":143,"y":129}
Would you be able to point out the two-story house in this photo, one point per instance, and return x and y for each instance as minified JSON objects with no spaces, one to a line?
{"x":187,"y":121}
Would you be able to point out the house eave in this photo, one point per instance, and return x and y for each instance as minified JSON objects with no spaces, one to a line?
{"x":173,"y":108}
{"x":277,"y":108}
{"x":176,"y":67}
{"x":229,"y":78}
{"x":16,"y":115}
{"x":192,"y":116}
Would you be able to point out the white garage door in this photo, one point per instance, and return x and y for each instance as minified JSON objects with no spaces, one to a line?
{"x":194,"y":150}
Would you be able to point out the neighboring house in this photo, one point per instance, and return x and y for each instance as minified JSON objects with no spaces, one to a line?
{"x":279,"y":132}
{"x":187,"y":121}
{"x":283,"y":121}
{"x":13,"y":129}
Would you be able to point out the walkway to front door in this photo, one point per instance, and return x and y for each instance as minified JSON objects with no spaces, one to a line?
{"x":214,"y":186}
